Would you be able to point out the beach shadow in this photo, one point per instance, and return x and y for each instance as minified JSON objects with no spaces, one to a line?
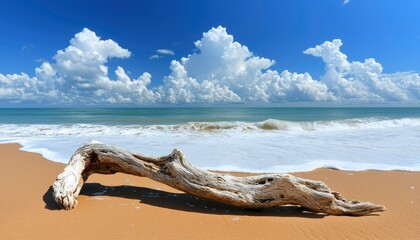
{"x":183,"y":202}
{"x":49,"y":200}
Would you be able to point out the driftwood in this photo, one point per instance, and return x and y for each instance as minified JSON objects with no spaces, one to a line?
{"x":262,"y":191}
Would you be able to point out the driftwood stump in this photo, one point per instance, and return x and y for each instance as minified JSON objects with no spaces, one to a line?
{"x":262,"y":191}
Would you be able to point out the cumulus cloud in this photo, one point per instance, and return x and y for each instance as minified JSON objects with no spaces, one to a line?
{"x":219,"y":70}
{"x":363,"y":81}
{"x":224,"y":71}
{"x":79,"y":75}
{"x":17,"y":87}
{"x":346,"y":2}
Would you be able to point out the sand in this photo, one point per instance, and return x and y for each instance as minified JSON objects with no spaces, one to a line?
{"x":127,"y":207}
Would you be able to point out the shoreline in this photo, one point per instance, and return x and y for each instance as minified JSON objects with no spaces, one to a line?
{"x":307,"y":167}
{"x":124,"y":206}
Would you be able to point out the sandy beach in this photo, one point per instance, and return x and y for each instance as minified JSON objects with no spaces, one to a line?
{"x":127,"y":207}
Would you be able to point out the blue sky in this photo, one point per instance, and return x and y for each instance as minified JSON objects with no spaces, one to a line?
{"x":275,"y":34}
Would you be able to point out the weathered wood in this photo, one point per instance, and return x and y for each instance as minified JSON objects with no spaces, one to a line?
{"x":262,"y":191}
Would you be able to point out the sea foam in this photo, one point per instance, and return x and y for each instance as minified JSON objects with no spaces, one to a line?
{"x":26,"y":130}
{"x":268,"y":146}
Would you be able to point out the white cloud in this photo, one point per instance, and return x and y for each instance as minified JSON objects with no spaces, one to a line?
{"x":220,"y":70}
{"x":126,"y":90}
{"x":81,"y":67}
{"x":161,"y":53}
{"x":346,"y":2}
{"x":165,"y":51}
{"x":180,"y":88}
{"x":224,"y":71}
{"x":155,"y":56}
{"x":79,"y":76}
{"x":82,"y":63}
{"x":363,"y":81}
{"x":17,"y":87}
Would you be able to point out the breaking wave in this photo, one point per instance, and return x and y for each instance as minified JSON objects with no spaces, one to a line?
{"x":25,"y":130}
{"x":268,"y":146}
{"x":348,"y":124}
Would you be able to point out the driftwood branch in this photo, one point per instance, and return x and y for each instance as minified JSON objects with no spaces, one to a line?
{"x":262,"y":191}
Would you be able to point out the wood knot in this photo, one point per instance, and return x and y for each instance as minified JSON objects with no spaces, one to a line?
{"x":265,"y":180}
{"x":93,"y":157}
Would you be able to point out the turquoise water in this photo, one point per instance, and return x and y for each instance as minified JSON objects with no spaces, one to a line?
{"x":164,"y":116}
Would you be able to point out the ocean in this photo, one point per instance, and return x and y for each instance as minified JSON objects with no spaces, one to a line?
{"x":244,"y":139}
